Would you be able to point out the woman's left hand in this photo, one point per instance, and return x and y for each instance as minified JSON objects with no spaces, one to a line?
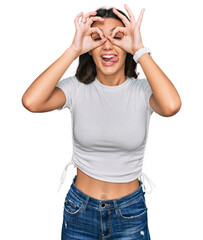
{"x":131,"y":41}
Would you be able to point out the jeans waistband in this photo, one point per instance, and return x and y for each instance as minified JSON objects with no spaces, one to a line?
{"x":112,"y":203}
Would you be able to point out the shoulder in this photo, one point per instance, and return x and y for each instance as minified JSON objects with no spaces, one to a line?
{"x":143,"y":87}
{"x":139,"y":82}
{"x":72,"y":79}
{"x":71,"y":82}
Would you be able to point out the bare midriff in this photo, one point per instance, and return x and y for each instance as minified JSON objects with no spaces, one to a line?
{"x":104,"y":190}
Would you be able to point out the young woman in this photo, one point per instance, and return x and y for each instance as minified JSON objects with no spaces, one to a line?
{"x":110,"y":109}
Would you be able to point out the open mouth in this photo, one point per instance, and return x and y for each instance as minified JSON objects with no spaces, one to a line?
{"x":109,"y":60}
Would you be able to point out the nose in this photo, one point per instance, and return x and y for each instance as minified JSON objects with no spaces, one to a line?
{"x":107,"y":44}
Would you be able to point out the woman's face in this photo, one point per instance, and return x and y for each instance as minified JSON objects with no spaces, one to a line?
{"x":108,"y":65}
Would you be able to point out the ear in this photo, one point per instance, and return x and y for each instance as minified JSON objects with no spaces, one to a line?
{"x":90,"y":52}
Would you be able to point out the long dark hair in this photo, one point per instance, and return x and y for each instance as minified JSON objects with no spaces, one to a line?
{"x":86,"y":70}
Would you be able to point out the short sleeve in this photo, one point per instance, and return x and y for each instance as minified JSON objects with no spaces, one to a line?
{"x":147,"y":93}
{"x":69,"y":86}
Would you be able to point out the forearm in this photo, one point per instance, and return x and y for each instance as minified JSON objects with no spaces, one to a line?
{"x":164,"y":92}
{"x":40,"y":90}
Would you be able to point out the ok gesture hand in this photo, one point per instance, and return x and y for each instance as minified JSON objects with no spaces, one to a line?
{"x":83,"y":41}
{"x":131,"y":41}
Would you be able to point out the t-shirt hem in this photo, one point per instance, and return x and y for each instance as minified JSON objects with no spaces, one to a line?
{"x":109,"y":179}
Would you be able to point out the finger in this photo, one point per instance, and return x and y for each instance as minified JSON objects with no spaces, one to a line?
{"x":119,"y":29}
{"x":140,"y":17}
{"x":76,"y":21}
{"x":93,"y":19}
{"x":84,"y":18}
{"x":96,"y":30}
{"x":130,"y":13}
{"x":122,"y":17}
{"x":114,"y":41}
{"x":99,"y":43}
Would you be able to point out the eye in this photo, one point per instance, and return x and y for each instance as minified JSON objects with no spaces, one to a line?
{"x":97,"y":39}
{"x":100,"y":38}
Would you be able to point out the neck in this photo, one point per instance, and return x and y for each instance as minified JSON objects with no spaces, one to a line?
{"x":111,"y":80}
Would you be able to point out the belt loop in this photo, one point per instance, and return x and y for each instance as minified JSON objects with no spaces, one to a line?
{"x":115,"y":206}
{"x":85,"y":202}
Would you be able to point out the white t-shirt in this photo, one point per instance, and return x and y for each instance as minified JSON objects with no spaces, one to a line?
{"x":109,"y":127}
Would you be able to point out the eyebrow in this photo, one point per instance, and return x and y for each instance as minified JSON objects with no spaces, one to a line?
{"x":110,"y":30}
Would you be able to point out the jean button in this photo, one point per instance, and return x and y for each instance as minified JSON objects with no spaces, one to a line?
{"x":103,"y":204}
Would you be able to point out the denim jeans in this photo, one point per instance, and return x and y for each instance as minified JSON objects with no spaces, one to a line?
{"x":88,"y":218}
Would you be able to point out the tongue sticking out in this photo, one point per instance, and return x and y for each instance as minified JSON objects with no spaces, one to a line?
{"x":113,"y":59}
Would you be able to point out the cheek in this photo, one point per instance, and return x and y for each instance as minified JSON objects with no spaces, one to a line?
{"x":96,"y":53}
{"x":96,"y":59}
{"x":123,"y":57}
{"x":121,"y":52}
{"x":95,"y":56}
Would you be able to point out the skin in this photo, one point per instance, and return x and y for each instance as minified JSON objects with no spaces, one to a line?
{"x":103,"y":190}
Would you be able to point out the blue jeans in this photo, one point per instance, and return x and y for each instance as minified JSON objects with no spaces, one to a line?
{"x":88,"y":218}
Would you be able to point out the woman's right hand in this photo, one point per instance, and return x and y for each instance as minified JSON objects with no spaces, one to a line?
{"x":83,"y":41}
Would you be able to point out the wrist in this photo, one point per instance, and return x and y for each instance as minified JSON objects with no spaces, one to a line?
{"x":137,"y":49}
{"x":72,"y":51}
{"x":70,"y":54}
{"x":140,"y":52}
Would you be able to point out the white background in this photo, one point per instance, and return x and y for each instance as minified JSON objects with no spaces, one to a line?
{"x":35,"y":147}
